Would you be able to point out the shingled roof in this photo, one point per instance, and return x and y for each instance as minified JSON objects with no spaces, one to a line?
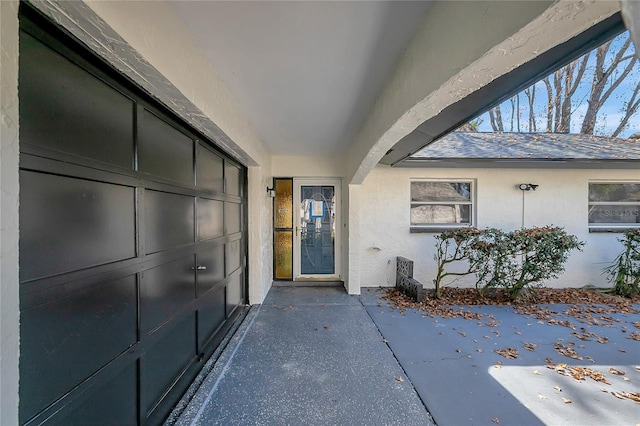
{"x":529,"y":146}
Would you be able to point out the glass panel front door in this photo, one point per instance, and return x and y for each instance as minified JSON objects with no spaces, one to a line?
{"x":316,"y":229}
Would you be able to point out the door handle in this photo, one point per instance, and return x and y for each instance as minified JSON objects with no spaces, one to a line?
{"x":296,"y":231}
{"x":200,"y":268}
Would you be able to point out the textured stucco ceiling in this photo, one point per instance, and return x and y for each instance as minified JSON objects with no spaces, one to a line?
{"x":306,"y":74}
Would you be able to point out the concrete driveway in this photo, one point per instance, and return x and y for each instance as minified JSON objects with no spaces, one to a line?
{"x":318,"y":356}
{"x":462,"y":381}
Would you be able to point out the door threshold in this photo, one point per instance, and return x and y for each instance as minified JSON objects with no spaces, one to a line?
{"x":308,"y":283}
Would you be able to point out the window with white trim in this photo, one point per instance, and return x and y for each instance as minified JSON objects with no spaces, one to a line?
{"x":441,"y":204}
{"x":614,"y":206}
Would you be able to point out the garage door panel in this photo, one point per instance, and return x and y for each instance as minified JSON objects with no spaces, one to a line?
{"x":68,"y":224}
{"x":163,"y":150}
{"x":164,"y":291}
{"x":210,"y":219}
{"x":233,"y":179}
{"x":58,"y":109}
{"x":232,"y":218}
{"x":210,"y":170}
{"x":69,"y":339}
{"x":213,"y":260}
{"x":211,"y":314}
{"x":169,"y":220}
{"x":112,"y":404}
{"x":235,"y":294}
{"x":167,"y":359}
{"x":233,"y":256}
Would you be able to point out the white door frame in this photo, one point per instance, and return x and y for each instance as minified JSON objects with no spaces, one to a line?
{"x":297,"y":184}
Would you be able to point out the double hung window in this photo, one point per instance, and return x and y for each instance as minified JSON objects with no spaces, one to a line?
{"x":441,"y":204}
{"x":614,"y":206}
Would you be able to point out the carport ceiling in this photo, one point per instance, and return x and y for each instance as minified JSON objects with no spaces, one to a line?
{"x":306,"y":74}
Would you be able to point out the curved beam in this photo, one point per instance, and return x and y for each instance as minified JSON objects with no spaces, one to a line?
{"x":460,"y":48}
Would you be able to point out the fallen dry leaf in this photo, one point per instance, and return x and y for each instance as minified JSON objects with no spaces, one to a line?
{"x":558,"y":388}
{"x":566,"y":351}
{"x":537,"y":373}
{"x":616,"y":372}
{"x":530,"y":346}
{"x":617,"y":394}
{"x":509,"y":353}
{"x":495,"y":420}
{"x":399,"y":379}
{"x":634,"y":396}
{"x":566,"y":400}
{"x":580,"y":373}
{"x":541,"y":396}
{"x":462,"y":333}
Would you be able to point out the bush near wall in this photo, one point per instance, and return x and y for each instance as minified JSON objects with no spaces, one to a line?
{"x":624,"y":271}
{"x":514,"y":261}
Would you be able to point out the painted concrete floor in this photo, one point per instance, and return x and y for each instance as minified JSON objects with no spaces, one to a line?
{"x":453,"y":366}
{"x":307,"y":356}
{"x":317,"y":356}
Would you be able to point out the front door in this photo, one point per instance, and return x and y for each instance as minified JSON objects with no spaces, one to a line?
{"x":316,"y":229}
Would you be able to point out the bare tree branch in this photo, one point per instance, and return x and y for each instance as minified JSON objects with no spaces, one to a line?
{"x":631,"y":108}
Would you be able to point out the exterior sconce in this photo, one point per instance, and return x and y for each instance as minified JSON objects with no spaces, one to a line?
{"x":527,"y":186}
{"x":271,"y":192}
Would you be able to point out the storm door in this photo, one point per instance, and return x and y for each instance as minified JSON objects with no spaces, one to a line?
{"x":316,"y":228}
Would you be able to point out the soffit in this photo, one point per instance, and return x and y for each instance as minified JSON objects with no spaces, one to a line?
{"x":306,"y":74}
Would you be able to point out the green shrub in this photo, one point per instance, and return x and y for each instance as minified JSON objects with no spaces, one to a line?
{"x":512,"y":260}
{"x":624,"y":271}
{"x":543,"y":253}
{"x":453,"y":246}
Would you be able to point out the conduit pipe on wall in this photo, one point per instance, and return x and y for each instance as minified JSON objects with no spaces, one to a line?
{"x":526,"y":187}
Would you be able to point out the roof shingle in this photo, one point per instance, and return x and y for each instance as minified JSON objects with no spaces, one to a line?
{"x":531,"y":146}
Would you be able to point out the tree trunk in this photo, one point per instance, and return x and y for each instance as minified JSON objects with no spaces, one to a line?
{"x":547,"y":84}
{"x":601,"y":75}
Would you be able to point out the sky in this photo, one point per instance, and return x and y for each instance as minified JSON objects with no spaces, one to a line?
{"x":608,"y":117}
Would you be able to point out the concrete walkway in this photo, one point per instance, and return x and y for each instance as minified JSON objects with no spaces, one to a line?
{"x":318,"y":356}
{"x":307,"y":356}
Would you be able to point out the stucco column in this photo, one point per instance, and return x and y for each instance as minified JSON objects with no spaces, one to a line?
{"x":9,"y":302}
{"x":260,"y":251}
{"x":355,"y":210}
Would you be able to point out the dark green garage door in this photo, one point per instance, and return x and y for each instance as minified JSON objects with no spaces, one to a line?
{"x":132,"y":243}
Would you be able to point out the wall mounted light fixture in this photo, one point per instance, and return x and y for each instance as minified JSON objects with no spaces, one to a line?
{"x":527,"y":186}
{"x":271,"y":192}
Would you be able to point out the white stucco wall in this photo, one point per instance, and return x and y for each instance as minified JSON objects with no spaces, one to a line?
{"x":312,"y":166}
{"x":560,"y":200}
{"x":9,"y":318}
